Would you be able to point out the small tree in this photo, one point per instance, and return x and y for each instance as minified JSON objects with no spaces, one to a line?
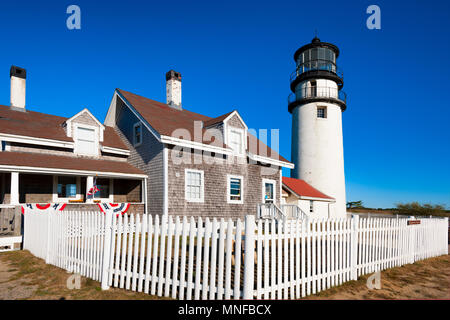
{"x":417,"y":209}
{"x":355,"y":204}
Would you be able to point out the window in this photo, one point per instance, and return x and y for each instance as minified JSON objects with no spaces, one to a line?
{"x":236,"y":141}
{"x":67,"y":187}
{"x":321,"y":112}
{"x":194,"y":185}
{"x":311,"y":206}
{"x":85,"y":141}
{"x":137,"y":134}
{"x":268,"y":191}
{"x":103,"y":189}
{"x":235,"y":189}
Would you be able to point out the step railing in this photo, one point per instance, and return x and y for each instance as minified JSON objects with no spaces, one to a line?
{"x":293,"y":212}
{"x":270,"y":211}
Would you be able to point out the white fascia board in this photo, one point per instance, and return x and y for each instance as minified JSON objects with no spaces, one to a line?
{"x":138,"y":115}
{"x":36,"y":141}
{"x":317,"y":199}
{"x":70,"y":172}
{"x":195,"y":145}
{"x":116,"y":151}
{"x":270,"y":161}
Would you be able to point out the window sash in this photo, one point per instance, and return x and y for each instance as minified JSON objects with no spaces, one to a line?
{"x":67,"y":187}
{"x":194,"y":185}
{"x":137,"y":134}
{"x":235,"y":189}
{"x":103,"y":189}
{"x":235,"y":141}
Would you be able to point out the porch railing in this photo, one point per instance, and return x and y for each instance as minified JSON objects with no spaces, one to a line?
{"x":293,"y":211}
{"x":270,"y":211}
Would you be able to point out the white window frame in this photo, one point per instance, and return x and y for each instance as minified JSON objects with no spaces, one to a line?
{"x":242,"y":133}
{"x":57,"y":199}
{"x":96,"y":139}
{"x":137,"y":124}
{"x":229,"y":177}
{"x":274,"y":183}
{"x":202,"y":186}
{"x":111,"y":193}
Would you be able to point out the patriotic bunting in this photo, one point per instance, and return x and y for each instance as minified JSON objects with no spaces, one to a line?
{"x":54,"y":206}
{"x":117,"y":208}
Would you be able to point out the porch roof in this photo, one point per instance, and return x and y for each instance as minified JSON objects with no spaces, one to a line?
{"x":48,"y":163}
{"x":302,"y":189}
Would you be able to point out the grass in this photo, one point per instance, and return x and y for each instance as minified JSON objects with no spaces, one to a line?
{"x":49,"y":282}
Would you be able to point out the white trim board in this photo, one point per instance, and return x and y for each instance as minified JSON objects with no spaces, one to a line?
{"x":70,"y":172}
{"x":36,"y":141}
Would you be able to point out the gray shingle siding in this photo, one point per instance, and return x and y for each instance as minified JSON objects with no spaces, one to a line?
{"x":148,"y":156}
{"x":215,"y":188}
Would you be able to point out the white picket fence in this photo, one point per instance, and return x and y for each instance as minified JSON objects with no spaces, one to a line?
{"x":194,"y":259}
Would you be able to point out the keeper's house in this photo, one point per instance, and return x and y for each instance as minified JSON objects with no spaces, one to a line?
{"x":50,"y":159}
{"x":159,"y":157}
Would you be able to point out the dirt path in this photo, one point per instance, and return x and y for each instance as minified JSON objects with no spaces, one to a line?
{"x":11,"y":286}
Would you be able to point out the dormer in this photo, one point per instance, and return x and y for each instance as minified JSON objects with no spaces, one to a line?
{"x":234,"y":131}
{"x":87,"y":133}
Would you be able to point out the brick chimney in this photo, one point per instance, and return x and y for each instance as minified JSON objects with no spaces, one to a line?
{"x":173,"y":89}
{"x":18,"y":85}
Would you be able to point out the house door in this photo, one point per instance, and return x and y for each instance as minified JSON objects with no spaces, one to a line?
{"x":268,"y":191}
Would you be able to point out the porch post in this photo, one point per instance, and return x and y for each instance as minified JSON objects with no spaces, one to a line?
{"x":14,"y":197}
{"x":89,"y":185}
{"x":144,"y":195}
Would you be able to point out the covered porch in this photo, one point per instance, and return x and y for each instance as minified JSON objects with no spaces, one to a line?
{"x":42,"y":179}
{"x":20,"y":188}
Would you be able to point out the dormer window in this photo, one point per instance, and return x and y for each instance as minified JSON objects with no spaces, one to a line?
{"x":236,"y":140}
{"x":86,"y":141}
{"x":137,"y":134}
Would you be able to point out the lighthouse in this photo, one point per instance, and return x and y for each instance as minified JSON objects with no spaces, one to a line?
{"x":316,"y":104}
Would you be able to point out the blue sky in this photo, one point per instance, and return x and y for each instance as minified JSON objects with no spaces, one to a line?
{"x":238,"y":55}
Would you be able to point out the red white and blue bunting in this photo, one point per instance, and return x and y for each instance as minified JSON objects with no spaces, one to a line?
{"x":117,"y":208}
{"x":43,"y":207}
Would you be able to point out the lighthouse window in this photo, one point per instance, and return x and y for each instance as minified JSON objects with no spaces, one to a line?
{"x":321,"y":112}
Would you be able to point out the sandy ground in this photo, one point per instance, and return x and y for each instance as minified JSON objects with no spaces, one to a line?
{"x":23,"y":276}
{"x":12,"y":288}
{"x":426,"y":279}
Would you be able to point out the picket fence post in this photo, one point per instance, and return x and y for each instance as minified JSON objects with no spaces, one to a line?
{"x":48,"y":214}
{"x":354,"y":247}
{"x":106,"y":249}
{"x":249,"y":260}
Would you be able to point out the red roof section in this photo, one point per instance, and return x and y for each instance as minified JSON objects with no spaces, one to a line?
{"x":165,"y":120}
{"x":46,"y":126}
{"x":302,"y":188}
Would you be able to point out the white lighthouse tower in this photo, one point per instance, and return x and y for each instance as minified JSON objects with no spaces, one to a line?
{"x":316,"y":104}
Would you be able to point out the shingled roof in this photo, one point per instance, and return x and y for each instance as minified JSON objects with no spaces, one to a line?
{"x":50,"y":161}
{"x":302,"y":189}
{"x":165,"y":120}
{"x":46,"y":126}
